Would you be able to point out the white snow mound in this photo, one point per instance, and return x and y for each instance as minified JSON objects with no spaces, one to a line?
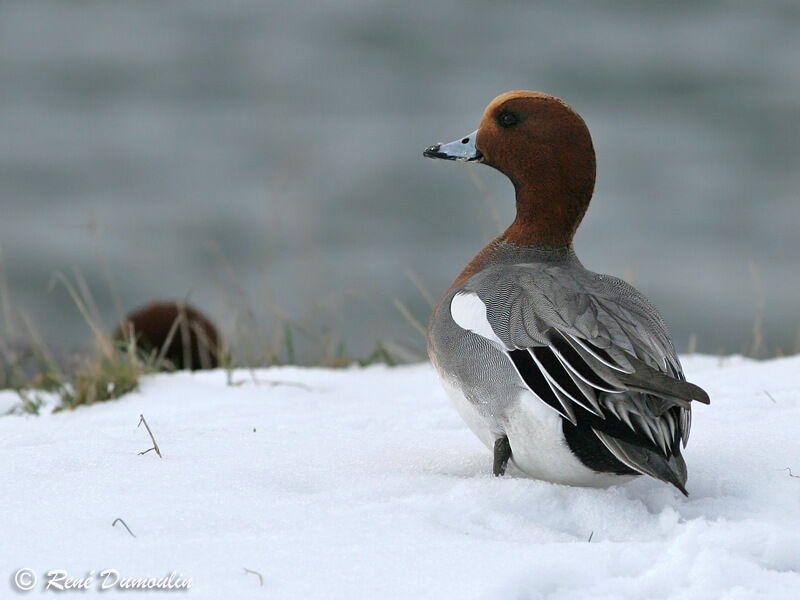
{"x":364,"y":483}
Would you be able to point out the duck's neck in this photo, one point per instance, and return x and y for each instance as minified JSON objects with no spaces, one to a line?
{"x":545,"y":219}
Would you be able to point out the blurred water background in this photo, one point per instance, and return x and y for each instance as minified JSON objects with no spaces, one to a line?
{"x":269,"y":154}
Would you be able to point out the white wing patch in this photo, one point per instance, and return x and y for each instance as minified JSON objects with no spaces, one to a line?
{"x":469,"y":312}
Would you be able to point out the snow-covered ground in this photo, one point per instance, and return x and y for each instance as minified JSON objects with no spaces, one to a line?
{"x":364,"y":483}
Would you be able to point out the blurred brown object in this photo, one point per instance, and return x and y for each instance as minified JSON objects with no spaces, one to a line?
{"x":180,"y":332}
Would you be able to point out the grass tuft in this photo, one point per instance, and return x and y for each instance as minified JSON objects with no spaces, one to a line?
{"x":109,"y":371}
{"x":105,"y":377}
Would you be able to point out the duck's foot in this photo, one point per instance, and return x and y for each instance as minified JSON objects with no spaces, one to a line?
{"x":502,"y":452}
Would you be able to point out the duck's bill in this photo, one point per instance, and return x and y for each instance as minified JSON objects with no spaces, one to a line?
{"x":463,"y":149}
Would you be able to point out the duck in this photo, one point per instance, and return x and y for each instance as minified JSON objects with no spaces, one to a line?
{"x":569,"y":375}
{"x":186,"y":337}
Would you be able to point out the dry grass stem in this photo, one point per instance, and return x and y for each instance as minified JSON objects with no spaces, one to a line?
{"x":412,"y":277}
{"x":410,"y":318}
{"x":692,"y":346}
{"x":155,"y":444}
{"x":488,"y":200}
{"x":257,"y":574}
{"x":124,"y":524}
{"x":758,"y":319}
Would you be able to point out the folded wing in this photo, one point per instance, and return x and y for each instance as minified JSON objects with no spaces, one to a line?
{"x":595,"y":351}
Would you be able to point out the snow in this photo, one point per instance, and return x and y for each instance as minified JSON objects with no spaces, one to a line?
{"x":365,"y":483}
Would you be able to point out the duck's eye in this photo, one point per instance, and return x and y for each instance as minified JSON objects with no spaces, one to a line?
{"x":507,"y":119}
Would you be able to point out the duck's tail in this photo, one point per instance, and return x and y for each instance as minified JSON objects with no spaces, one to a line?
{"x":645,"y":461}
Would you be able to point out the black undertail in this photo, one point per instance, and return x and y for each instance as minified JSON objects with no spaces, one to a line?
{"x":584,"y":444}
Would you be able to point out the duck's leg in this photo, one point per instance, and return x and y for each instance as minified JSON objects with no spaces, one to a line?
{"x":502,"y":452}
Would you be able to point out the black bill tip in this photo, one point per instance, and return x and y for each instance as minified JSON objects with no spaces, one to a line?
{"x":433,"y":152}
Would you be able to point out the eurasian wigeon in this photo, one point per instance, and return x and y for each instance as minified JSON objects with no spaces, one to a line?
{"x":569,"y":374}
{"x":187,"y":337}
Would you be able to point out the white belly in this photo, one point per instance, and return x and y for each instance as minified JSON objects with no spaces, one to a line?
{"x":534,"y":431}
{"x":485,"y":426}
